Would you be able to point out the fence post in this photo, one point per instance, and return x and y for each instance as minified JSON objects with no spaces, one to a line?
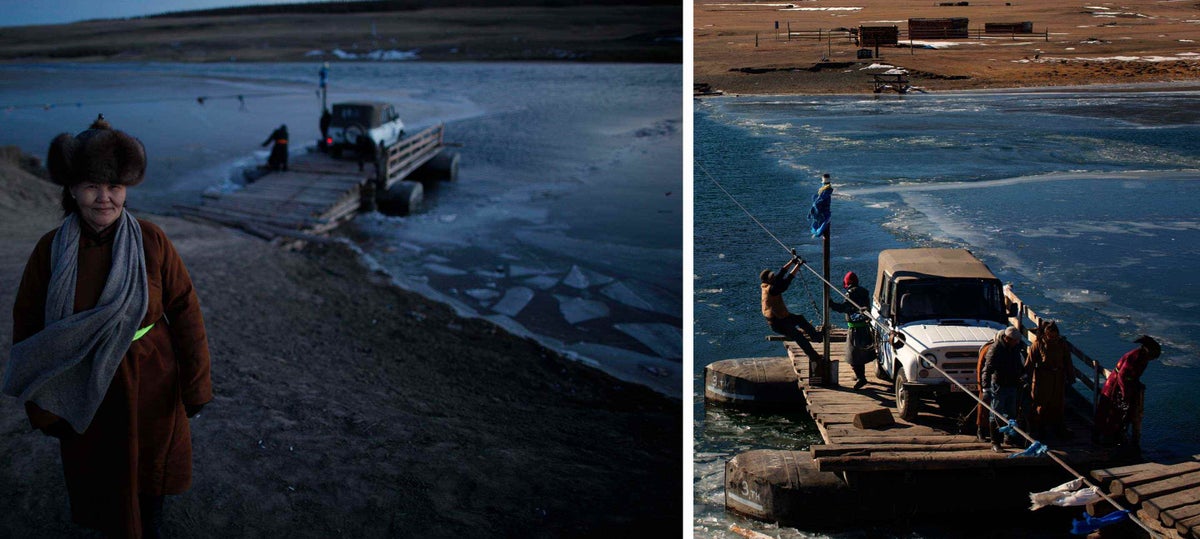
{"x":756,"y":40}
{"x":1096,"y":381}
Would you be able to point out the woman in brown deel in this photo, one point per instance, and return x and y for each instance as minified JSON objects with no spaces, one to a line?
{"x":109,"y":350}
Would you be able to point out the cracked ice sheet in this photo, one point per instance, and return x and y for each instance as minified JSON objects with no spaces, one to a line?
{"x":665,"y":340}
{"x":632,"y":366}
{"x":544,"y":282}
{"x":576,"y":310}
{"x":444,"y":270}
{"x":644,"y":297}
{"x":515,"y":299}
{"x":583,"y":278}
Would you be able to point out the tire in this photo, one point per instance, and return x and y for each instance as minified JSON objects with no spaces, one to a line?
{"x":336,"y":152}
{"x":442,"y":167}
{"x":907,"y":404}
{"x":880,"y":372}
{"x":446,"y":163}
{"x":404,"y":198}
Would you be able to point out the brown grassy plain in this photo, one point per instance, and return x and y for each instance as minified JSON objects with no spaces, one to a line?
{"x":1077,"y":43}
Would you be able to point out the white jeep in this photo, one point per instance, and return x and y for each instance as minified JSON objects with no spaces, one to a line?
{"x":365,"y":127}
{"x":936,"y":307}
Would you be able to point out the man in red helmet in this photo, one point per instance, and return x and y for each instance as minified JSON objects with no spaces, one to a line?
{"x":860,"y":343}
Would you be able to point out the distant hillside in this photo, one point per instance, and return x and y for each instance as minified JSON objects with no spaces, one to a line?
{"x":383,"y":6}
{"x":462,"y":30}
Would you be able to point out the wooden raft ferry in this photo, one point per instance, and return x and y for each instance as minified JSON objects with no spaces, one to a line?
{"x":318,"y":192}
{"x":934,"y":465}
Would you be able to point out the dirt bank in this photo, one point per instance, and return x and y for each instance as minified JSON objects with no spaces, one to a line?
{"x":345,"y":407}
{"x":739,"y":50}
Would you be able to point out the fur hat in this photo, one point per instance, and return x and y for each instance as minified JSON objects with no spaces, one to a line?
{"x":101,"y":154}
{"x":1150,"y":344}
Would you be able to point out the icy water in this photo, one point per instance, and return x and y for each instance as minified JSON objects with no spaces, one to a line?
{"x":566,"y":223}
{"x":1085,"y":202}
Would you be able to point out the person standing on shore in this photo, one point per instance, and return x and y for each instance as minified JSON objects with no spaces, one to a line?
{"x":775,"y":310}
{"x":860,"y":342}
{"x":1003,"y":371}
{"x":109,"y":353}
{"x":1122,"y":400}
{"x":279,"y":153}
{"x":1050,"y":362}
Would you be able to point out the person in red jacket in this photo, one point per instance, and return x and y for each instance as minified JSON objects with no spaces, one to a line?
{"x":1121,"y":402}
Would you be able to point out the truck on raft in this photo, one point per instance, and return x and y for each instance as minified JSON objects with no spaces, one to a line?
{"x":389,"y":171}
{"x":889,"y":453}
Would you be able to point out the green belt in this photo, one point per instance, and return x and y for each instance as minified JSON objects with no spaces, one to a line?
{"x":142,"y":332}
{"x":856,"y":325}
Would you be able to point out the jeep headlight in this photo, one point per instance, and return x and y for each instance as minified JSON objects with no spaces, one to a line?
{"x":928,"y":360}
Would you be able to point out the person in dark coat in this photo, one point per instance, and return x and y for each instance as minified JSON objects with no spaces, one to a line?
{"x":279,"y":153}
{"x":109,"y":352}
{"x":1003,"y":371}
{"x":860,"y":343}
{"x":775,"y":310}
{"x":1121,"y":402}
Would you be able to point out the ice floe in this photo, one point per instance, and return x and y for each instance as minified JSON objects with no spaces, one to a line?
{"x":543,"y":282}
{"x":582,"y":278}
{"x":576,"y":310}
{"x":483,"y":294}
{"x":643,"y":296}
{"x":441,"y":269}
{"x":380,"y":55}
{"x":665,"y":340}
{"x":515,"y":299}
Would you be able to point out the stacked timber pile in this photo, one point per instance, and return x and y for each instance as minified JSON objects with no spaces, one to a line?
{"x":1166,"y":495}
{"x":314,"y":195}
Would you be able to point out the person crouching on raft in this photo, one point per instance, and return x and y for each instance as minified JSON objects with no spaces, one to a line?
{"x":775,"y":310}
{"x":109,"y":352}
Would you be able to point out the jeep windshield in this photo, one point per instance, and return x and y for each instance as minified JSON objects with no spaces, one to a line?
{"x":347,"y":115}
{"x":956,"y":299}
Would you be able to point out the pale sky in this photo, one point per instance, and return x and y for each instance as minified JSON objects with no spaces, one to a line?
{"x":27,"y":12}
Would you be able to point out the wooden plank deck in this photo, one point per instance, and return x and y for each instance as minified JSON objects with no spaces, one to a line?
{"x":934,"y":442}
{"x":314,"y":195}
{"x":1165,"y":496}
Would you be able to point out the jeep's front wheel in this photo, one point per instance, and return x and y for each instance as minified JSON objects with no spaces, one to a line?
{"x":907,"y":404}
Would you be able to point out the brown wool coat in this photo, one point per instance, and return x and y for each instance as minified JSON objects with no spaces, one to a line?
{"x":1050,"y":362}
{"x":139,"y":442}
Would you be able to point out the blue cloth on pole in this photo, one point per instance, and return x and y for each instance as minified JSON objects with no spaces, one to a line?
{"x":1090,"y":523}
{"x":1010,"y":429}
{"x":820,"y":215}
{"x":1036,"y":449}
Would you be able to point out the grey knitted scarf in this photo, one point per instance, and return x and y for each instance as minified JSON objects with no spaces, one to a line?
{"x":66,"y":367}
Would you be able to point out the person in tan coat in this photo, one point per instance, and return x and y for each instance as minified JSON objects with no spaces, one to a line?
{"x":1050,"y":362}
{"x":110,"y":353}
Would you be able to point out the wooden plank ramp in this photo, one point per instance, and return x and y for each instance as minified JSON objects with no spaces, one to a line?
{"x":1166,"y":496}
{"x":938,"y":440}
{"x":313,"y":196}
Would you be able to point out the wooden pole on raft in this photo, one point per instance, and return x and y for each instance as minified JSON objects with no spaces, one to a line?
{"x":830,"y":378}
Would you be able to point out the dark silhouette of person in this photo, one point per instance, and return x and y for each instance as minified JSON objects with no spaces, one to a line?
{"x":326,"y":119}
{"x":279,"y":153}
